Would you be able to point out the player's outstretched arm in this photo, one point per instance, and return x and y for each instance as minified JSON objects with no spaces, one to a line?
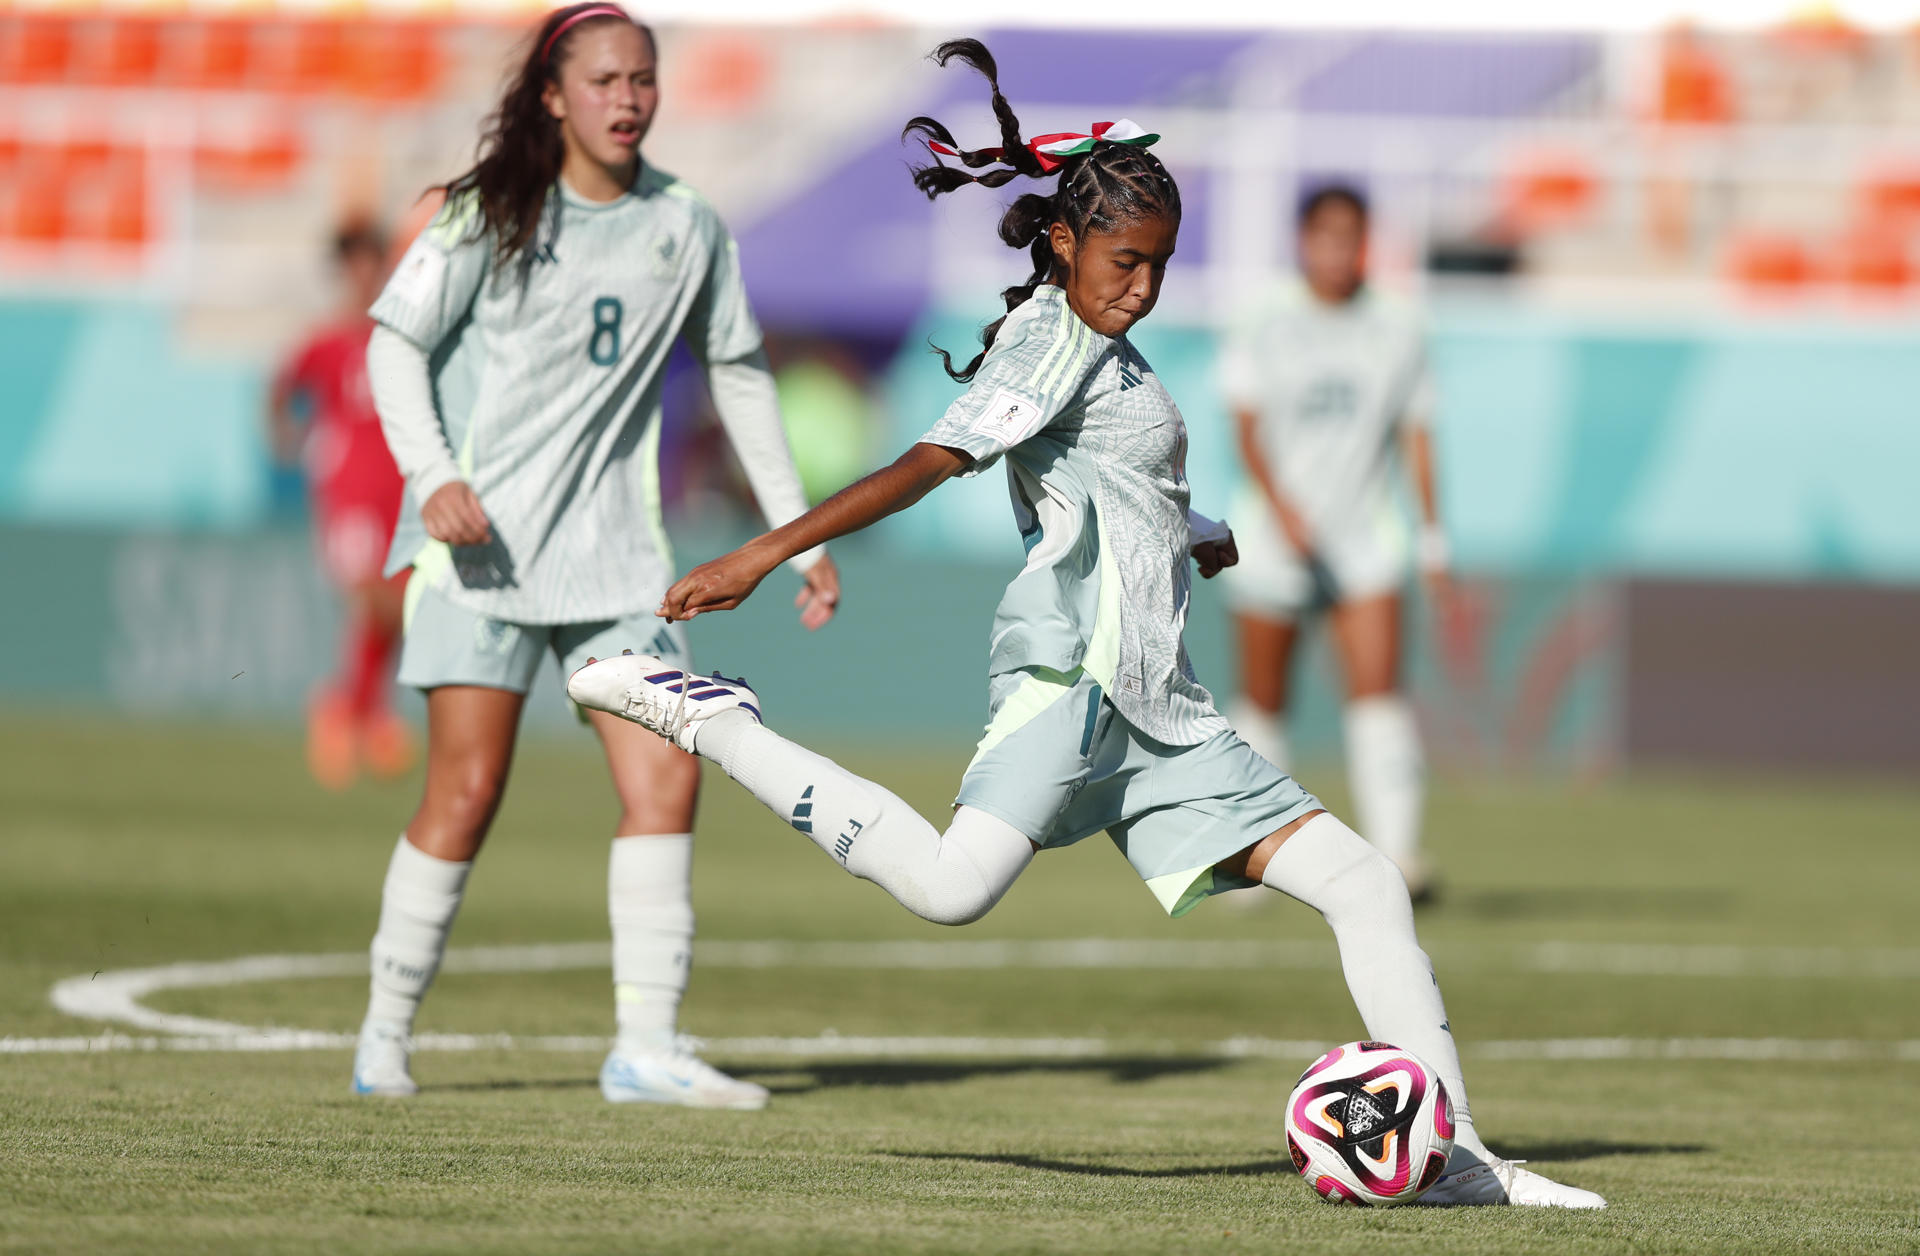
{"x":728,"y":580}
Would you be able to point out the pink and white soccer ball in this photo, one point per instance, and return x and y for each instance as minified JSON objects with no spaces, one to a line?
{"x":1369,"y":1125}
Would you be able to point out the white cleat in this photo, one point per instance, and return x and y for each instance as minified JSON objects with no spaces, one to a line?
{"x":380,"y":1061}
{"x":1482,"y":1182}
{"x":658,"y":696}
{"x":675,"y":1075}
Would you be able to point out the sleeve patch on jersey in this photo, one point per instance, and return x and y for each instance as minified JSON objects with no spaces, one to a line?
{"x":419,"y":277}
{"x":1011,"y":418}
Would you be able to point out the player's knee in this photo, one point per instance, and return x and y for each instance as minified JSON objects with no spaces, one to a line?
{"x":957,"y":905}
{"x":468,"y":796}
{"x":1372,"y":880}
{"x":664,"y":801}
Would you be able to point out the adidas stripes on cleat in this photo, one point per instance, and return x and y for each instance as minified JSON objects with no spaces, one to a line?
{"x":658,"y":696}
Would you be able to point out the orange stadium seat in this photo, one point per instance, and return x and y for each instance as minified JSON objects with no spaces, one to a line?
{"x":211,"y":55}
{"x":115,"y":52}
{"x":131,"y":57}
{"x":34,"y":49}
{"x":391,"y":61}
{"x":110,"y":206}
{"x":1545,"y":191}
{"x":1892,"y":196}
{"x":36,"y":210}
{"x":1764,"y":263}
{"x":317,"y":60}
{"x":1873,"y":259}
{"x":257,"y":163}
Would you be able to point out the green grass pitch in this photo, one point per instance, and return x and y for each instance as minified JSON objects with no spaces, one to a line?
{"x":1787,"y":905}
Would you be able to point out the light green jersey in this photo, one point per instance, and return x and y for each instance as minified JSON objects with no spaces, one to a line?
{"x":1096,"y":456}
{"x":548,"y":375}
{"x":1331,"y":388}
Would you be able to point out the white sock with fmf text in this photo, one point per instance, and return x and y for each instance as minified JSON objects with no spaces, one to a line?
{"x":1388,"y":774}
{"x":949,"y":879}
{"x":1264,"y":731}
{"x":1330,"y":868}
{"x":417,"y":906}
{"x":650,"y":906}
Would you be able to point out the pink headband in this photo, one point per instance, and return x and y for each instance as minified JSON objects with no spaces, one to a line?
{"x":598,"y":10}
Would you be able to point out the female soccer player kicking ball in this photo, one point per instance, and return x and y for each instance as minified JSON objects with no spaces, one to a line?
{"x":528,"y":329}
{"x":1097,"y":720}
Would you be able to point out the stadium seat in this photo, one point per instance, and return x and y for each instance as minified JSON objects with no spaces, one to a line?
{"x":392,"y":61}
{"x":36,"y":211}
{"x":35,"y":49}
{"x":317,"y":60}
{"x":1892,"y":196}
{"x":209,"y":55}
{"x":1545,"y":191}
{"x":1873,"y":260}
{"x":130,"y":53}
{"x":726,"y":74}
{"x":1768,"y":264}
{"x":254,"y":164}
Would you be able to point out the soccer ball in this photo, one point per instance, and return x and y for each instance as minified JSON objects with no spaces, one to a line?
{"x":1369,"y":1125}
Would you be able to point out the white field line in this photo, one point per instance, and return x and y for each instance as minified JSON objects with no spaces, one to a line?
{"x":848,"y":1047}
{"x":117,"y":996}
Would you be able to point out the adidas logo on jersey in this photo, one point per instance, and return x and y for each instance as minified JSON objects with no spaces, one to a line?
{"x":1129,"y":378}
{"x":545,"y":253}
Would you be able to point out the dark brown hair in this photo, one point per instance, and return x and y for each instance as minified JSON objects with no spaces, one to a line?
{"x":521,"y":150}
{"x":1099,"y":190}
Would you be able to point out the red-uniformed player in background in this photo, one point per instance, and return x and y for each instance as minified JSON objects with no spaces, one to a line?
{"x":322,"y":413}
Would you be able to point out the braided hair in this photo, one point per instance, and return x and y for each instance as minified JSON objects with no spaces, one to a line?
{"x":1099,"y":190}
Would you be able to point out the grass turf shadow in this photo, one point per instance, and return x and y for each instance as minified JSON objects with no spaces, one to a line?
{"x":1541,"y":1152}
{"x":1250,"y":1168}
{"x":1593,"y":1149}
{"x":926,"y":1073}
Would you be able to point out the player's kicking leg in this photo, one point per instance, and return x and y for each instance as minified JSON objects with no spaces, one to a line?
{"x":949,"y":878}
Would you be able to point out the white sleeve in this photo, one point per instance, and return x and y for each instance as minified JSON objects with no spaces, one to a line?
{"x":749,"y":408}
{"x":402,"y":386}
{"x":1207,"y":530}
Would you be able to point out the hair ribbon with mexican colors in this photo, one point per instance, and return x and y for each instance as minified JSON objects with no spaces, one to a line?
{"x":1052,"y":151}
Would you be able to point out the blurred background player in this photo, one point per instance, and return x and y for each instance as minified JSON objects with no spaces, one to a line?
{"x":1328,"y":382}
{"x":528,"y":329}
{"x":321,"y":414}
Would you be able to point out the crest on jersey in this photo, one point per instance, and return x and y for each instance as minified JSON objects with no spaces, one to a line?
{"x":664,"y":255}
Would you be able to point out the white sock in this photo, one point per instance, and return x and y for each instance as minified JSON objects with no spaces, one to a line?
{"x":1330,"y":868}
{"x":650,"y":906}
{"x":417,"y":907}
{"x":1265,"y":731}
{"x":1387,"y":773}
{"x":950,"y":880}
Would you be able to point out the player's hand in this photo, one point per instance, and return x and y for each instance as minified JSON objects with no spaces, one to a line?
{"x":453,"y":515}
{"x":819,"y":597}
{"x":1216,"y":556}
{"x":719,"y":585}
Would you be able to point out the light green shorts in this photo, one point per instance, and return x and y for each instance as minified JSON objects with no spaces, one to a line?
{"x":450,"y":645}
{"x":1059,"y":763}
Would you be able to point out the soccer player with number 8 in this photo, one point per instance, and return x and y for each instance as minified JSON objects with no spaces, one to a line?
{"x":518,"y":368}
